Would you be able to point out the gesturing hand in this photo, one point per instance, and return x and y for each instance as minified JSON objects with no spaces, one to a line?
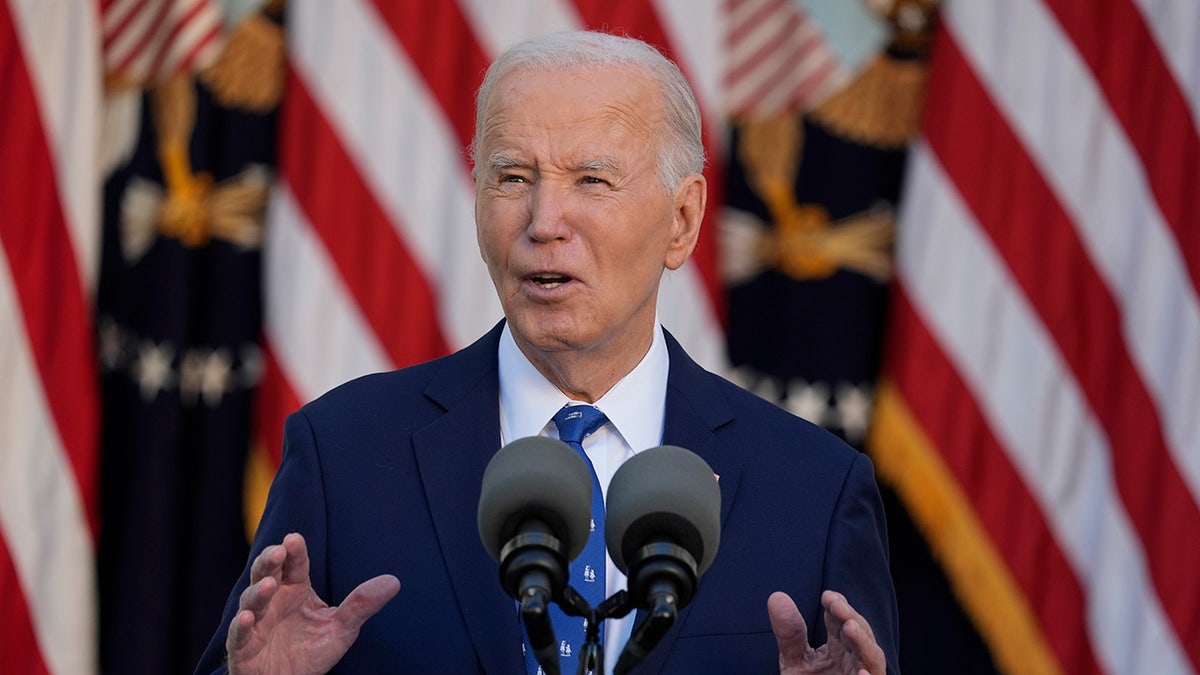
{"x":283,"y":627}
{"x":850,"y":650}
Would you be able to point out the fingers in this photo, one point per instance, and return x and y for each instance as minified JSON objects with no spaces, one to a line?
{"x":287,"y":561}
{"x":366,"y":600}
{"x":252,"y":605}
{"x":791,"y":633}
{"x":240,"y":630}
{"x":255,"y":599}
{"x":268,"y":563}
{"x":295,"y":566}
{"x":258,"y":595}
{"x":273,"y":565}
{"x":849,"y":628}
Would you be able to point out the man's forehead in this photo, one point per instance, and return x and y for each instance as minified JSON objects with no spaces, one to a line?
{"x":608,"y":85}
{"x":530,"y":101}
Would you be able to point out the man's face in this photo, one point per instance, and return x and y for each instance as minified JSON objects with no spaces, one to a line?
{"x":572,"y":219}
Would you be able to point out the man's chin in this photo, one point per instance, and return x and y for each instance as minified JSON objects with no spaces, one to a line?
{"x":543,"y":335}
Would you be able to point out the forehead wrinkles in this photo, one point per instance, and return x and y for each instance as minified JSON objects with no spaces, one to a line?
{"x":533,"y":106}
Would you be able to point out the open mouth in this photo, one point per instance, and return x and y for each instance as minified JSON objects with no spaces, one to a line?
{"x":548,"y":280}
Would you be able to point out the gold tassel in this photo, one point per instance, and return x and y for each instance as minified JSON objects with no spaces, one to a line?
{"x":251,"y":70}
{"x":769,"y":148}
{"x":183,"y":214}
{"x":238,"y":206}
{"x":880,"y":108}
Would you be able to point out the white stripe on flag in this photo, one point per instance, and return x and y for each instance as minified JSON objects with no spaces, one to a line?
{"x":695,"y":30}
{"x":1175,"y":25}
{"x":125,"y":43}
{"x":41,"y":518}
{"x":519,"y":20}
{"x":1085,"y":156}
{"x":60,"y":45}
{"x":963,"y":291}
{"x":405,"y":151}
{"x":190,"y":38}
{"x":312,"y":321}
{"x":116,"y":14}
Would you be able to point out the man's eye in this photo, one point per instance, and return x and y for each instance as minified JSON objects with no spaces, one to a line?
{"x":511,"y":178}
{"x":592,"y":180}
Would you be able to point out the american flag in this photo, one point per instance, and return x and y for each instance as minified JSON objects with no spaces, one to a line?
{"x":1040,"y":410}
{"x":49,"y":404}
{"x":147,"y":41}
{"x":55,"y":58}
{"x":1038,"y":407}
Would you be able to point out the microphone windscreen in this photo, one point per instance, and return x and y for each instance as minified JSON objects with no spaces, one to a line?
{"x":664,"y":494}
{"x":536,"y":478}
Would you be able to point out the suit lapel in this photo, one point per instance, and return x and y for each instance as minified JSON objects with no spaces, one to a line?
{"x":452,"y":453}
{"x":695,"y":410}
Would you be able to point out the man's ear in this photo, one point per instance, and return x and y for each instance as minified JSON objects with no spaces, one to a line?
{"x":690,"y":199}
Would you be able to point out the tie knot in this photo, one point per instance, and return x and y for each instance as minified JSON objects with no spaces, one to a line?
{"x":577,"y":422}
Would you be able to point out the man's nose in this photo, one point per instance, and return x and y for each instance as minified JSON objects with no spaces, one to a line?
{"x":548,"y":211}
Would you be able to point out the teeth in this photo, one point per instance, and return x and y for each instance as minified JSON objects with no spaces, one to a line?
{"x":549,"y":281}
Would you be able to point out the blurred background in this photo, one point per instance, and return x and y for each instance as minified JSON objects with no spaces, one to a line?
{"x":964,"y":237}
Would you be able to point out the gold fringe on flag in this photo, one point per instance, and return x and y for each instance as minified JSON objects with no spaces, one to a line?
{"x":906,"y":458}
{"x":256,"y":484}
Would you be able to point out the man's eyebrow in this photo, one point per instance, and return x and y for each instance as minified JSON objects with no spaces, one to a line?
{"x":501,"y":162}
{"x":604,"y":163}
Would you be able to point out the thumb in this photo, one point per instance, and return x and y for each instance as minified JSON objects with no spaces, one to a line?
{"x":366,"y":600}
{"x":791,"y":633}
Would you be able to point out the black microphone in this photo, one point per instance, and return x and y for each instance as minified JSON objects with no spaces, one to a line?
{"x":535,"y":513}
{"x":663,"y":525}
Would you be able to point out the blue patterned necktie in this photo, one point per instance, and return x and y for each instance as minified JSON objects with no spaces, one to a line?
{"x":587,"y":576}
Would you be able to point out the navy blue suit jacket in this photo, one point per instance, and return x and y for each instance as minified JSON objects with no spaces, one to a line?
{"x":382,"y":475}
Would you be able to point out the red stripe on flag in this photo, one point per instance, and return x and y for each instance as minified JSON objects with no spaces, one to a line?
{"x":811,"y":83}
{"x":1112,"y":37}
{"x":116,"y":31}
{"x":202,"y":44}
{"x":784,"y":68}
{"x":274,"y":400}
{"x":947,"y":412}
{"x":19,"y":653}
{"x":770,"y":49}
{"x":1074,"y":304}
{"x":392,"y":293}
{"x":439,"y":41}
{"x":34,"y":237}
{"x":148,"y":36}
{"x":167,"y":41}
{"x":639,"y":19}
{"x":765,"y":12}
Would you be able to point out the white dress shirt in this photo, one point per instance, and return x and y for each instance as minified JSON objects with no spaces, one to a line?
{"x":635,"y":408}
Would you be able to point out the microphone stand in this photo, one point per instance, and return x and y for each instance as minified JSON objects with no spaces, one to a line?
{"x":663,"y":572}
{"x":591,"y":656}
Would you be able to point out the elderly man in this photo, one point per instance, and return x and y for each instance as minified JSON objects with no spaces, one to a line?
{"x":588,"y":186}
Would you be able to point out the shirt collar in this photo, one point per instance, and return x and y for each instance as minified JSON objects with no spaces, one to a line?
{"x":635,"y":405}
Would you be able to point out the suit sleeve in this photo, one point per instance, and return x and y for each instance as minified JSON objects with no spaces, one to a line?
{"x":857,"y":557}
{"x":295,"y":503}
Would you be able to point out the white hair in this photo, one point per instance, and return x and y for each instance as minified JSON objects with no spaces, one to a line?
{"x":681,"y":151}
